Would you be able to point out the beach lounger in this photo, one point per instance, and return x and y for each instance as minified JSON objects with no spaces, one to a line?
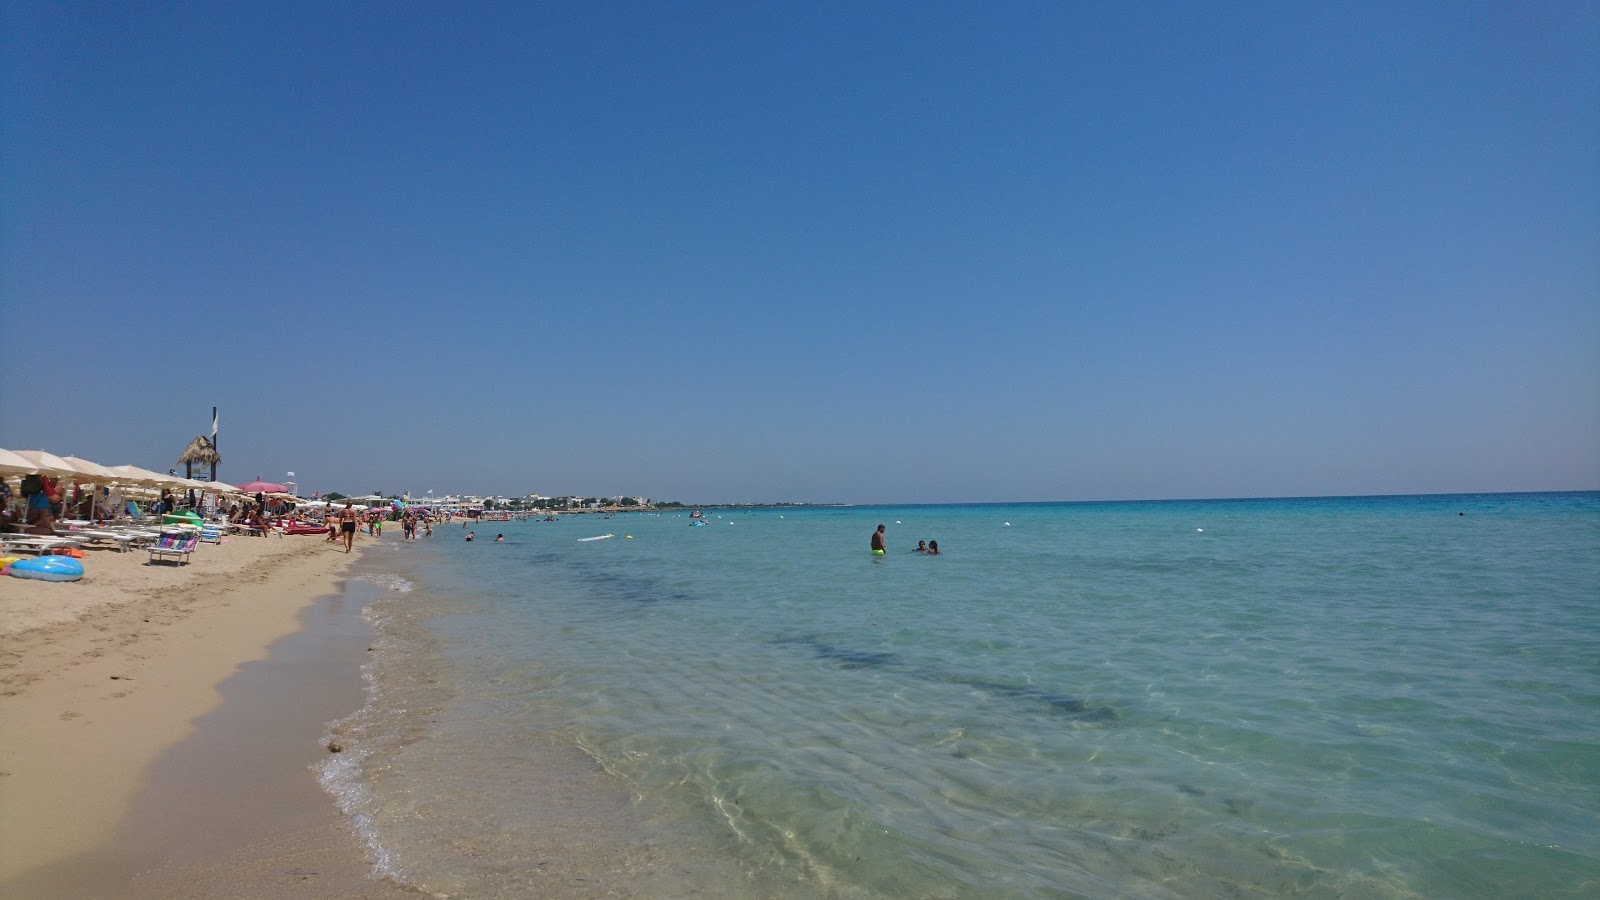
{"x":38,"y":545}
{"x":174,"y":543}
{"x":123,"y":540}
{"x":140,"y":535}
{"x":211,"y":534}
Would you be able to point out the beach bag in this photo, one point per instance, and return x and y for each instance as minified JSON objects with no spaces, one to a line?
{"x":32,"y":484}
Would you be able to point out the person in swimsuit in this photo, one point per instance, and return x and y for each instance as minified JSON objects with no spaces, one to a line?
{"x":933,"y":548}
{"x":922,"y":547}
{"x":347,"y":525}
{"x":878,"y":548}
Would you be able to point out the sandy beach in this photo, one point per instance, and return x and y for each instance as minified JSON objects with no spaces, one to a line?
{"x":159,"y":722}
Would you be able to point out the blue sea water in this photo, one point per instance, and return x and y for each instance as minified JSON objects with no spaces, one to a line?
{"x":1356,"y":697}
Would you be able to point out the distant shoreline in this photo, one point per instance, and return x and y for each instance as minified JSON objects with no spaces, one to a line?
{"x":1297,"y":497}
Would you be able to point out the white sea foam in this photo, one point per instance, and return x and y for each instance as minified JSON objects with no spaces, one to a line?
{"x":386,"y":580}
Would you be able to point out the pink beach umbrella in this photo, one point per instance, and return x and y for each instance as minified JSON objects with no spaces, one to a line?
{"x":263,"y":487}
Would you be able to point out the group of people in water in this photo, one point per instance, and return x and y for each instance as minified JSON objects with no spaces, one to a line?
{"x":879,"y":548}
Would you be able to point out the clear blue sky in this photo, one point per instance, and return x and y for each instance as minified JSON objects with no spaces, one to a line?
{"x":865,"y":252}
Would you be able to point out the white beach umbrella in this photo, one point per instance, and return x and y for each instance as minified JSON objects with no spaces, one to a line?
{"x":101,"y":474}
{"x":15,"y":464}
{"x":136,"y":475}
{"x":68,"y":469}
{"x":12,"y":464}
{"x":48,"y":463}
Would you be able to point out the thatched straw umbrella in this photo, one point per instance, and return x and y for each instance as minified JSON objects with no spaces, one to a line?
{"x":200,"y":450}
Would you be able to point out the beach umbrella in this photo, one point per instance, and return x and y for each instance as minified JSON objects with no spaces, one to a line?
{"x":221,"y":487}
{"x":67,"y":470}
{"x":136,"y":475}
{"x":49,"y":463}
{"x":263,"y":487}
{"x":14,"y":464}
{"x":101,"y":475}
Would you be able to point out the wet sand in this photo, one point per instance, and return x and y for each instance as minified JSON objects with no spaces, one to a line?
{"x":158,"y":724}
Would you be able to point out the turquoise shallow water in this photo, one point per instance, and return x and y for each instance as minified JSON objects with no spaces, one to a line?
{"x":1371,"y":697}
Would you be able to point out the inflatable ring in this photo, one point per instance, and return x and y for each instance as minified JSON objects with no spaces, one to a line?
{"x":47,"y":568}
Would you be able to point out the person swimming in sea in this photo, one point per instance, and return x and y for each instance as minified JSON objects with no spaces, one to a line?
{"x":922,"y":547}
{"x":878,"y":547}
{"x":471,"y":535}
{"x":499,"y":539}
{"x":933,"y":548}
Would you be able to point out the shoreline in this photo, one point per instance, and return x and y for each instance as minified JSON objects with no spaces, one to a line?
{"x":160,"y":723}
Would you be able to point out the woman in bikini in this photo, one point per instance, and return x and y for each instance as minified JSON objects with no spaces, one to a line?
{"x":347,"y":525}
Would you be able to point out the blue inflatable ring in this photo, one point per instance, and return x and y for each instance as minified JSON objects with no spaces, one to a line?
{"x":48,"y":568}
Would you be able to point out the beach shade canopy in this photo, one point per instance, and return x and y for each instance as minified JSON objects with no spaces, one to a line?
{"x":221,"y":487}
{"x":50,"y":464}
{"x":263,"y":487}
{"x":16,"y":465}
{"x":136,"y":475}
{"x":99,"y":473}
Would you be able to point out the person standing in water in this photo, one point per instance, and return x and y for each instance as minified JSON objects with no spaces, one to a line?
{"x":878,"y":547}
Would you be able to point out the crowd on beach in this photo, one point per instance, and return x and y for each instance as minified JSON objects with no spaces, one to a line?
{"x":41,"y":506}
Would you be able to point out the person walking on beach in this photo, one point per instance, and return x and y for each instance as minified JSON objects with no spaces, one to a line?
{"x":878,"y":547}
{"x":347,"y":525}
